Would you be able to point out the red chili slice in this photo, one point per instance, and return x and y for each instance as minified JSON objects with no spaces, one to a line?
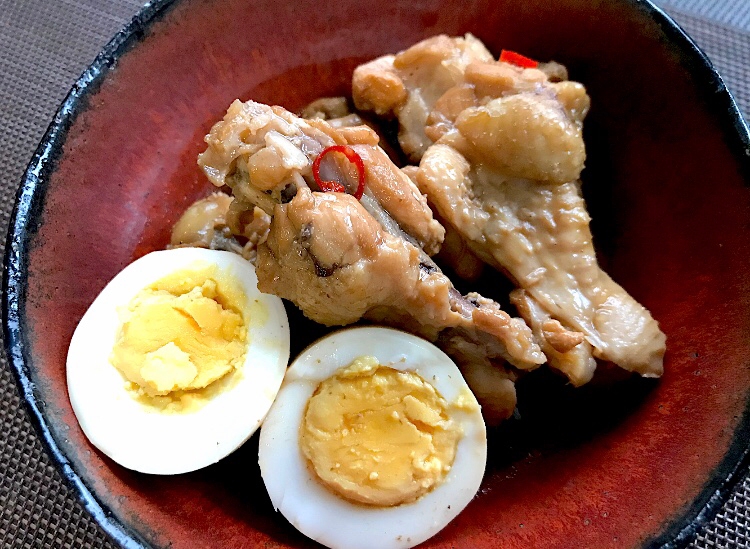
{"x":517,"y":59}
{"x":335,"y":186}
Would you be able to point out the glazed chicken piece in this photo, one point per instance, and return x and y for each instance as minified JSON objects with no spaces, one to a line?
{"x":265,"y":155}
{"x":340,"y":259}
{"x":502,"y":168}
{"x":428,"y":85}
{"x":328,"y":255}
{"x":219,"y":222}
{"x":567,"y":350}
{"x":410,"y":83}
{"x":334,"y":110}
{"x":455,"y":251}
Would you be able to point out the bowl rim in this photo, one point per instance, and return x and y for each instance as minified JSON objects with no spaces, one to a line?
{"x":29,"y":201}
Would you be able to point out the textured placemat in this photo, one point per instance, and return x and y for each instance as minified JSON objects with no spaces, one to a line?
{"x":44,"y":46}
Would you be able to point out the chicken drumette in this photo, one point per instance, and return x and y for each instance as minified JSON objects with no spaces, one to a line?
{"x":341,"y":259}
{"x":501,"y":151}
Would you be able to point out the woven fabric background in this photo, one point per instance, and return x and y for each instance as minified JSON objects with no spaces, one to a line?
{"x":44,"y":46}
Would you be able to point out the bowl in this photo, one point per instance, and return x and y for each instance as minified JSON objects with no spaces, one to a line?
{"x":641,"y":463}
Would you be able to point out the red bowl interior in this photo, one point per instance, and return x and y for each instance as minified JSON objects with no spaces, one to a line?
{"x":610,"y":466}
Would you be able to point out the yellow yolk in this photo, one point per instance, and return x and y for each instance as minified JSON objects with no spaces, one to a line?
{"x":182,"y":333}
{"x":378,"y":436}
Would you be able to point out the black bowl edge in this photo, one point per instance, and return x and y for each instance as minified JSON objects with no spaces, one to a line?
{"x":28,"y":206}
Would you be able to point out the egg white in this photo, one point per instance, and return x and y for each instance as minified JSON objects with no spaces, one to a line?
{"x":319,"y":513}
{"x":146,"y":440}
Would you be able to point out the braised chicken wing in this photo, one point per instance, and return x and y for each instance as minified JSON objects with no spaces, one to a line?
{"x":340,"y":260}
{"x":501,"y":151}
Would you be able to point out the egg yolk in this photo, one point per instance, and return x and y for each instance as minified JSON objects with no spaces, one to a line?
{"x":182,"y":333}
{"x":378,"y":436}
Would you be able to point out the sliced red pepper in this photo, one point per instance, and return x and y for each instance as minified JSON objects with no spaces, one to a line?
{"x":517,"y":59}
{"x":335,"y":186}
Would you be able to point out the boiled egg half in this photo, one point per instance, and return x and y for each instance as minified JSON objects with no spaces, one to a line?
{"x":374,"y":441}
{"x":177,"y":361}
